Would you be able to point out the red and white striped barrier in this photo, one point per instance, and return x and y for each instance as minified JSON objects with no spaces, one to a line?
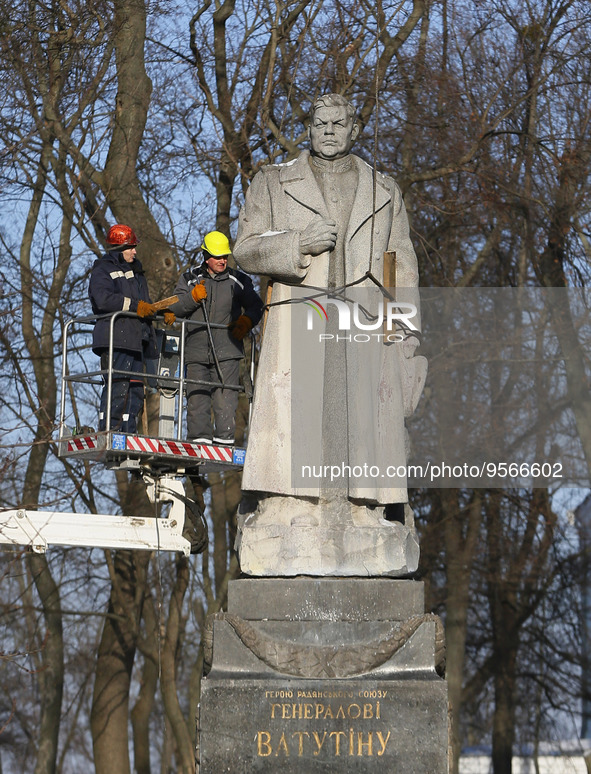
{"x":141,"y":444}
{"x":82,"y":443}
{"x":179,"y":448}
{"x":216,"y":453}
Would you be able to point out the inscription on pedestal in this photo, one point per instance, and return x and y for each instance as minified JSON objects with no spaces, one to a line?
{"x":315,"y":727}
{"x":321,"y":707}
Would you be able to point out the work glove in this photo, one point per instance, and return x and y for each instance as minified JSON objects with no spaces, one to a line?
{"x":169,"y":318}
{"x":240,"y":327}
{"x":199,"y":292}
{"x":145,"y":309}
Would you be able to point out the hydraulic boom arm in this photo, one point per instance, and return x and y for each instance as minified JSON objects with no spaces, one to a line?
{"x":40,"y":529}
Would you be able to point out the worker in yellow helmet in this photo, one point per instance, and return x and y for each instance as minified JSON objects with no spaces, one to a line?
{"x":225,"y":297}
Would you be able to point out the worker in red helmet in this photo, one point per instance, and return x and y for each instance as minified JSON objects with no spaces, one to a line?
{"x":118,"y":284}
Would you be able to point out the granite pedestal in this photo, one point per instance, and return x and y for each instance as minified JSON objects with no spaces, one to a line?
{"x":324,"y":675}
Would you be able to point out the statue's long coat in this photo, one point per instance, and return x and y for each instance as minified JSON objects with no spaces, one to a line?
{"x":280,"y":203}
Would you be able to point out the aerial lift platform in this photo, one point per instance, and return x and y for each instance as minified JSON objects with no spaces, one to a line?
{"x":161,"y":460}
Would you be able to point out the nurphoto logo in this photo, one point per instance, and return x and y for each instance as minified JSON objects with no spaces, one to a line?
{"x":394,"y":320}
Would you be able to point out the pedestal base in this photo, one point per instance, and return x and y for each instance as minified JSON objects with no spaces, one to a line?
{"x":311,"y":675}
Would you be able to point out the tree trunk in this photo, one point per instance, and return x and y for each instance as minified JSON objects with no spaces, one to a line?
{"x":460,"y":535}
{"x":140,"y":713}
{"x":110,"y":704}
{"x":225,"y":498}
{"x":121,"y":184}
{"x":52,"y":675}
{"x":183,"y":737}
{"x":503,"y":734}
{"x":39,"y":344}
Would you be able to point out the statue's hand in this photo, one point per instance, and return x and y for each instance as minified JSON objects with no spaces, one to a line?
{"x":319,"y":236}
{"x":409,"y":345}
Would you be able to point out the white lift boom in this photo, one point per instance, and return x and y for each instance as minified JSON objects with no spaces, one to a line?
{"x":40,"y":529}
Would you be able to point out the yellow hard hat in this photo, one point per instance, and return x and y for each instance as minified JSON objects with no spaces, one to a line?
{"x":216,"y":243}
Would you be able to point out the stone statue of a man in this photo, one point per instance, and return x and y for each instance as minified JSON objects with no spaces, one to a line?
{"x":319,"y":227}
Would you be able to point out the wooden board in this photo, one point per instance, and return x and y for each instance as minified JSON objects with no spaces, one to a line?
{"x":164,"y":303}
{"x":390,"y":269}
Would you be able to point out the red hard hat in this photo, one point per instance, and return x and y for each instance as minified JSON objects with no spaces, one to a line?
{"x":120,"y":235}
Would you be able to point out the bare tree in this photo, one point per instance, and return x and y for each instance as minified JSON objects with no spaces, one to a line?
{"x":159,"y":115}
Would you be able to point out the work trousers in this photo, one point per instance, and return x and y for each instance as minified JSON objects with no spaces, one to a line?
{"x":201,"y":399}
{"x":127,"y":393}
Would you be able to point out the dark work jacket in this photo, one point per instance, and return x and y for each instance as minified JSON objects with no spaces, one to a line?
{"x":117,"y":286}
{"x":229,"y":294}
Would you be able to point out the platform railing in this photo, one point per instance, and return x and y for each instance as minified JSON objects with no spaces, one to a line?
{"x":99,"y":376}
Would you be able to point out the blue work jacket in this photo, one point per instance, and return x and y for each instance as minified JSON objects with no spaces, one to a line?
{"x":117,"y":286}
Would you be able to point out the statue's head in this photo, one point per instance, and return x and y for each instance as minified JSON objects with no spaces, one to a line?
{"x":333,"y":127}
